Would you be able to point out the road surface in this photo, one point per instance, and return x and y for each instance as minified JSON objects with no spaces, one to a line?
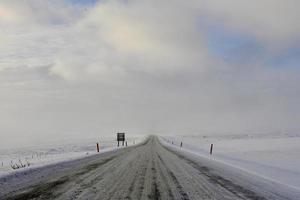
{"x":146,"y":171}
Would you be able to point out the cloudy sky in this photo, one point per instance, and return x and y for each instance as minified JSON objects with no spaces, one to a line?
{"x":86,"y":68}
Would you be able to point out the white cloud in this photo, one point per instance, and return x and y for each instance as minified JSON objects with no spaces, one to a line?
{"x":37,"y":13}
{"x":131,"y":36}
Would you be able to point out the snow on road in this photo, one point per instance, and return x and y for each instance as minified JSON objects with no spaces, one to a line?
{"x":272,"y":155}
{"x":37,"y":156}
{"x":146,"y":171}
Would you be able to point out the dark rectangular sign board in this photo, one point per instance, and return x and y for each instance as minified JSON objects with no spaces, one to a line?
{"x":120,"y":136}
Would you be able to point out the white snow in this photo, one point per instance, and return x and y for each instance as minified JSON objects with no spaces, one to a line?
{"x":148,"y":166}
{"x":38,"y":156}
{"x":272,"y":156}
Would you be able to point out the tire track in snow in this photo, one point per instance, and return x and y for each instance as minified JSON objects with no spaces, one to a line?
{"x":164,"y":178}
{"x":183,"y":194}
{"x":239,"y":191}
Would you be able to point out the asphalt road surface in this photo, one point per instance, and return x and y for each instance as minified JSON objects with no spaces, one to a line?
{"x":146,"y":171}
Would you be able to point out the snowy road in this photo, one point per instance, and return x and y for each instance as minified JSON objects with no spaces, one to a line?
{"x":146,"y":171}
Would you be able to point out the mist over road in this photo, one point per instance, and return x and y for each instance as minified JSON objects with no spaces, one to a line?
{"x":146,"y":171}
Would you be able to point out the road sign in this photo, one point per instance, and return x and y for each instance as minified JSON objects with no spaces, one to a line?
{"x":121,"y":137}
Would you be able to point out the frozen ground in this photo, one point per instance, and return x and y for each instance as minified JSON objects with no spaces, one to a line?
{"x":146,"y":171}
{"x":37,"y":156}
{"x":273,"y":156}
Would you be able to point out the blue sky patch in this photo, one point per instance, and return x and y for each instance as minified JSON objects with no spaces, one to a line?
{"x":232,"y":46}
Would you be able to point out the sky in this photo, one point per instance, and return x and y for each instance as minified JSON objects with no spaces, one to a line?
{"x":87,"y":68}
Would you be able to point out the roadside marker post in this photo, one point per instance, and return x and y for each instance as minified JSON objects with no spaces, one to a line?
{"x":98,"y":147}
{"x":211,"y":148}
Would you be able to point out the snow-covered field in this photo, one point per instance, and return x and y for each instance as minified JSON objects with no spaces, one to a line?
{"x":272,"y":156}
{"x":146,"y":171}
{"x":37,"y":156}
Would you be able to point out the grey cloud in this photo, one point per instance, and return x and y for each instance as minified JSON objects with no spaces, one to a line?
{"x":274,"y":22}
{"x":141,"y":67}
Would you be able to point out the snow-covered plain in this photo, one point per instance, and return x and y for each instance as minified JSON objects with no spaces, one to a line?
{"x":37,"y":156}
{"x":272,"y":156}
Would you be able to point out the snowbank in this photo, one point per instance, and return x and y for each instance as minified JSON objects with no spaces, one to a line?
{"x":272,"y":156}
{"x":37,"y":156}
